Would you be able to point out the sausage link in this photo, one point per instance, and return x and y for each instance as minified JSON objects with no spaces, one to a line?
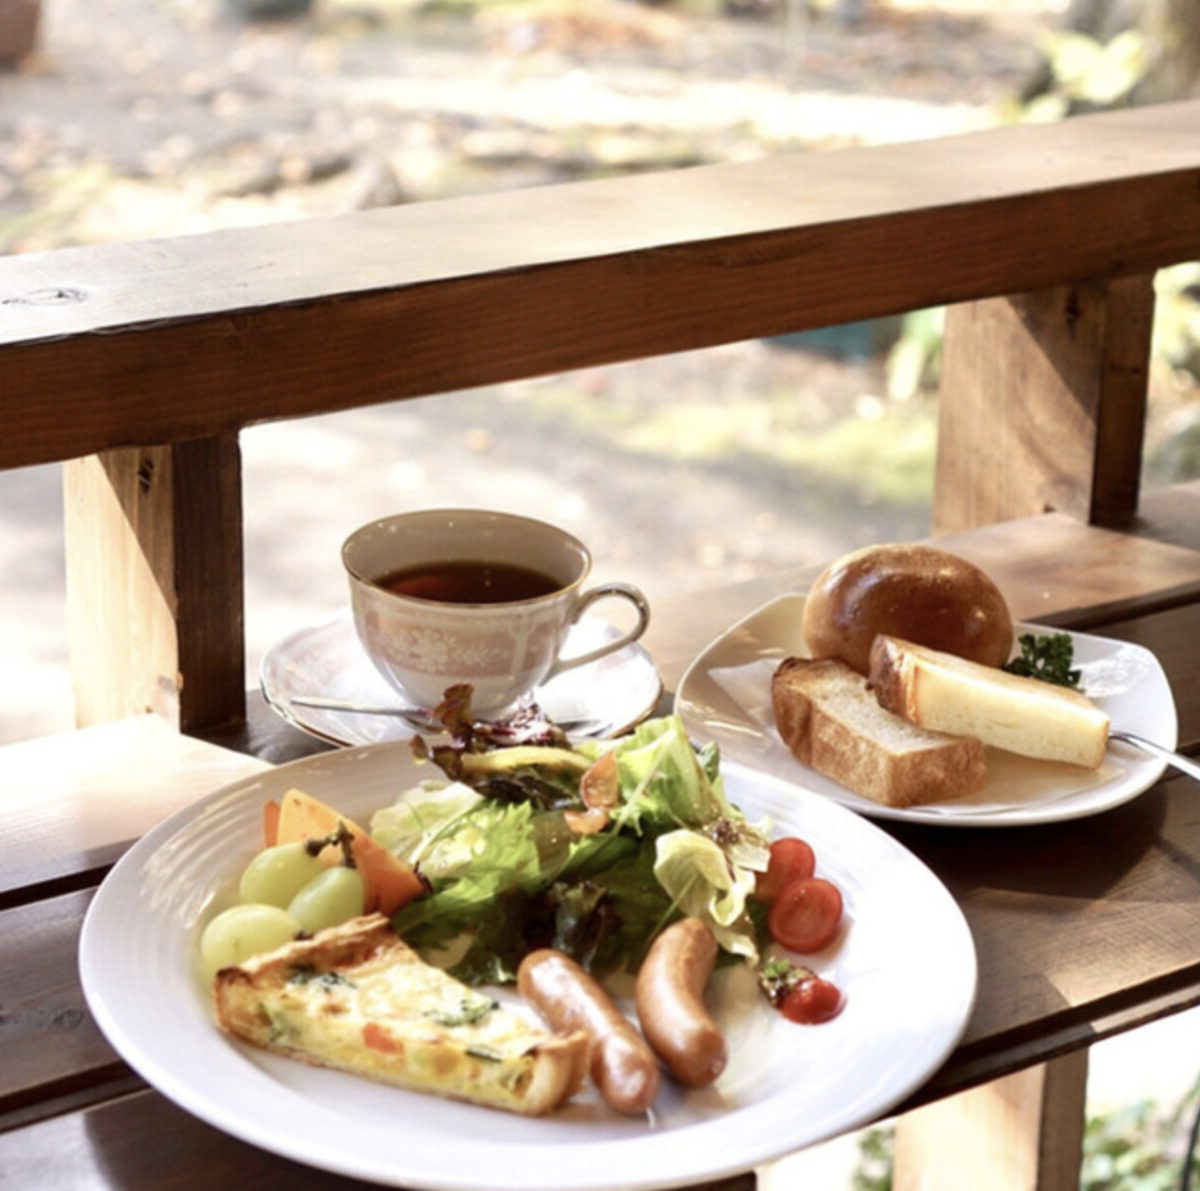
{"x":670,"y":1003}
{"x":621,"y":1065}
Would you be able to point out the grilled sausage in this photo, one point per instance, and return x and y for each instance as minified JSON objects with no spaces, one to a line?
{"x":621,"y":1065}
{"x":670,"y":1003}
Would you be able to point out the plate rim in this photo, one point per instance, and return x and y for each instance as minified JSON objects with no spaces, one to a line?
{"x":1051,"y":811}
{"x":175,"y":1086}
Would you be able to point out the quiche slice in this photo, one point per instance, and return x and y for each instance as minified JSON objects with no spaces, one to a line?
{"x":356,"y":998}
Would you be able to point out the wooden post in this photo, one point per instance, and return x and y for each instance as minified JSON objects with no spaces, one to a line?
{"x":19,"y":22}
{"x":154,"y":583}
{"x":1020,"y":1133}
{"x":1043,"y":405}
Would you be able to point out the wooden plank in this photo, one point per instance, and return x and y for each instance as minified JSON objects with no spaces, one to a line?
{"x":51,"y":1044}
{"x":145,"y":1143}
{"x":1043,"y":401}
{"x":1090,"y":950}
{"x":154,"y":583}
{"x":1055,"y":569}
{"x":68,"y":800}
{"x":208,"y":333}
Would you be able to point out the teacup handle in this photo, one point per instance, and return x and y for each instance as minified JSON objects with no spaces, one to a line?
{"x":625,"y":591}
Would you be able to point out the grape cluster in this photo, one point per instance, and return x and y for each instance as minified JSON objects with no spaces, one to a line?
{"x":284,"y":891}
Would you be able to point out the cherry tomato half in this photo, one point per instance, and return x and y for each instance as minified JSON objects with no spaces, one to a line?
{"x":812,"y":1001}
{"x":791,"y":859}
{"x":806,"y":914}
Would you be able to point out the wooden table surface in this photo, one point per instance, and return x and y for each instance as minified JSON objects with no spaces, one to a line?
{"x":1083,"y":928}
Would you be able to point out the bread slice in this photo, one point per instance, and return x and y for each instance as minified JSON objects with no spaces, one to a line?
{"x":356,"y":998}
{"x":1022,"y":715}
{"x":830,"y":720}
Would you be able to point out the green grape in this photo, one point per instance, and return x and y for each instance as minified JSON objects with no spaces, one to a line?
{"x":236,"y":934}
{"x":333,"y":896}
{"x":277,"y":874}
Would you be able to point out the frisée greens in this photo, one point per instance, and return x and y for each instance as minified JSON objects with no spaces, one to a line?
{"x":589,"y":847}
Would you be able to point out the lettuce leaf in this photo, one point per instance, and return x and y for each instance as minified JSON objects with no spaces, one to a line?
{"x":509,"y":875}
{"x":665,"y":783}
{"x":424,"y":827}
{"x":696,"y":873}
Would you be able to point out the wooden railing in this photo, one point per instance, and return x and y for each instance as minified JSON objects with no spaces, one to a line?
{"x":138,"y":364}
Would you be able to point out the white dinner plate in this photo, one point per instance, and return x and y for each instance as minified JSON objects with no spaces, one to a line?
{"x":785,"y":1086}
{"x":725,"y":696}
{"x":612,"y":694}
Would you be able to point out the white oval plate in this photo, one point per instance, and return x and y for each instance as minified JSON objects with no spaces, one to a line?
{"x":725,"y":696}
{"x":325,"y":658}
{"x":786,"y":1086}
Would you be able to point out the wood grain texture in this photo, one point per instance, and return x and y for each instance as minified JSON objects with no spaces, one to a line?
{"x":205,"y":334}
{"x":1063,"y":945}
{"x":50,"y":1042}
{"x":154,"y":583}
{"x":146,"y":1142}
{"x":69,"y":798}
{"x":1043,"y":403}
{"x":1056,"y":569}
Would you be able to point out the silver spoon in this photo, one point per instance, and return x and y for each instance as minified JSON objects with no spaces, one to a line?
{"x":1175,"y":760}
{"x":422,"y":719}
{"x":413,"y":716}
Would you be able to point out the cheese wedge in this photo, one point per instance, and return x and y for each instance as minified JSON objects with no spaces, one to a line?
{"x":1022,"y":715}
{"x":356,"y":998}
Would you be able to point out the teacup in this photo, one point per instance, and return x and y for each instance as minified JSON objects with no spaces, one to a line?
{"x":448,"y":596}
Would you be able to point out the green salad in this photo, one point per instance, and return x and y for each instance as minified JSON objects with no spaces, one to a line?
{"x":528,"y":840}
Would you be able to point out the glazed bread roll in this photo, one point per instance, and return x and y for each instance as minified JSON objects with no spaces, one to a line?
{"x":912,"y":591}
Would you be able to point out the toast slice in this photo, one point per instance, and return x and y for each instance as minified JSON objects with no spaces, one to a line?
{"x":1022,"y":715}
{"x":830,"y":720}
{"x":356,"y":998}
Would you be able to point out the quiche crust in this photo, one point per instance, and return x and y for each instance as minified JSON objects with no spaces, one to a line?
{"x":357,"y":998}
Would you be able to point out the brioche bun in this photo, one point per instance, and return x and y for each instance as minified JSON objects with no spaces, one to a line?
{"x":912,"y":591}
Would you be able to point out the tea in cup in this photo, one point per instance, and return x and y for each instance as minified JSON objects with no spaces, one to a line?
{"x":447,"y":596}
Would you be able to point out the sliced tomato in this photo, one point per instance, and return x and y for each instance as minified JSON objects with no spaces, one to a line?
{"x":805,"y":914}
{"x":813,"y":1001}
{"x":791,"y":859}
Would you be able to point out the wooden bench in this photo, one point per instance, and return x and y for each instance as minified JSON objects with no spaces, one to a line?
{"x":137,"y":365}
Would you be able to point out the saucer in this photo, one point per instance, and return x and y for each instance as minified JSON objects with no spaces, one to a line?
{"x":615,"y":692}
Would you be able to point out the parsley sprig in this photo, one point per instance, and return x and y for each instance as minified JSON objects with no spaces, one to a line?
{"x":1046,"y":657}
